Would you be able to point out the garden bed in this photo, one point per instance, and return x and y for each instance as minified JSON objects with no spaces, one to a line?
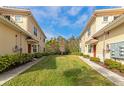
{"x":113,"y":70}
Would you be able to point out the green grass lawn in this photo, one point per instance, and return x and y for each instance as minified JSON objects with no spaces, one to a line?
{"x":60,"y":71}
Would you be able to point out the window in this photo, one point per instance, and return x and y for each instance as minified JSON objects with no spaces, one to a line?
{"x":89,"y":32}
{"x":89,"y":48}
{"x":7,"y":17}
{"x":115,"y":17}
{"x":43,"y":40}
{"x":34,"y":48}
{"x":35,"y":31}
{"x":105,"y":18}
{"x":18,"y":18}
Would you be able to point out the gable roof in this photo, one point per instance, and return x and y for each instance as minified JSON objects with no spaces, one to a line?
{"x":102,"y":12}
{"x":21,"y":11}
{"x":110,"y":26}
{"x":15,"y":26}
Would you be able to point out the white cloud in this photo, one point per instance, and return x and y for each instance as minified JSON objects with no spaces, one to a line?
{"x":81,"y":20}
{"x":54,"y":17}
{"x":50,"y":32}
{"x":74,"y":10}
{"x":47,"y":12}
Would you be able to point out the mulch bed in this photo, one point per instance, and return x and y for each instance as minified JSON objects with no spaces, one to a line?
{"x":113,"y":70}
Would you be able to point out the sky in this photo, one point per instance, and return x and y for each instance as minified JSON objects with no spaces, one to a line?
{"x":65,"y":21}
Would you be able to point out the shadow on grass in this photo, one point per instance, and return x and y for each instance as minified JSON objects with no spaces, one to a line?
{"x":84,"y":76}
{"x":48,"y":63}
{"x":72,"y":72}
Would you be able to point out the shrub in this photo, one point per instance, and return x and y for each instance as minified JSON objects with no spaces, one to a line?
{"x":112,"y":64}
{"x":81,"y":54}
{"x":122,"y":68}
{"x":10,"y":61}
{"x":108,"y":61}
{"x":94,"y":59}
{"x":115,"y":64}
{"x":86,"y":56}
{"x":76,"y":53}
{"x":46,"y":54}
{"x":37,"y":55}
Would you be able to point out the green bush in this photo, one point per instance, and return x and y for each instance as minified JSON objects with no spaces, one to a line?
{"x":37,"y":55}
{"x":10,"y":61}
{"x":115,"y":65}
{"x":122,"y":68}
{"x":94,"y":59}
{"x":86,"y":56}
{"x":108,"y":61}
{"x":76,"y":53}
{"x":112,"y":64}
{"x":81,"y":54}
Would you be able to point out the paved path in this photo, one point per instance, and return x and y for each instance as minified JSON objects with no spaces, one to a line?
{"x":6,"y":76}
{"x":115,"y":78}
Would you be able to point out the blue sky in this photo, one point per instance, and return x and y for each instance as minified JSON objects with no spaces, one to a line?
{"x":64,"y":20}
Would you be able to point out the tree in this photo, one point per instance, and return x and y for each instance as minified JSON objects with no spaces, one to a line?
{"x":61,"y":45}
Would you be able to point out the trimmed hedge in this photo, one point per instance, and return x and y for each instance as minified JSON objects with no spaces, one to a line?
{"x":37,"y":55}
{"x":112,"y":64}
{"x":108,"y":61}
{"x":76,"y":53}
{"x":94,"y":59}
{"x":9,"y":61}
{"x":86,"y":56}
{"x":122,"y":68}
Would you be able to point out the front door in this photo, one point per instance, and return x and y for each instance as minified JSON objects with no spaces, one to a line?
{"x":94,"y":50}
{"x":29,"y":48}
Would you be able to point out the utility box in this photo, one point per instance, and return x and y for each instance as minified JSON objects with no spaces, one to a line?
{"x":117,"y":50}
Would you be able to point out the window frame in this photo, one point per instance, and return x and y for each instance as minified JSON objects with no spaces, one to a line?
{"x":34,"y":48}
{"x":35,"y":31}
{"x":115,"y":17}
{"x":20,"y":18}
{"x":90,"y":48}
{"x":104,"y":18}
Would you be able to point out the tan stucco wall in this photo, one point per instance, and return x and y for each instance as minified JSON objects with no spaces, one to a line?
{"x":22,"y":24}
{"x":115,"y":35}
{"x":100,"y":23}
{"x":8,"y":40}
{"x":93,"y":27}
{"x":96,"y":25}
{"x":40,"y":36}
{"x":28,"y":24}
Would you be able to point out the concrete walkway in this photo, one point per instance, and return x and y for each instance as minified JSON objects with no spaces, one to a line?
{"x":115,"y":78}
{"x":6,"y":76}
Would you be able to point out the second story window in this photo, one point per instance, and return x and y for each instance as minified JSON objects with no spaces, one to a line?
{"x":7,"y":17}
{"x":89,"y":32}
{"x":105,"y":18}
{"x":115,"y":17}
{"x":18,"y":18}
{"x":35,"y":31}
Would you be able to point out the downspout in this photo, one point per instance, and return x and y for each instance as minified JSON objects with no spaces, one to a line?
{"x":20,"y":44}
{"x":104,"y":47}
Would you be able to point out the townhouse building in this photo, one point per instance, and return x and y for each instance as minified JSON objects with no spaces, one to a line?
{"x":20,"y":32}
{"x":103,"y":35}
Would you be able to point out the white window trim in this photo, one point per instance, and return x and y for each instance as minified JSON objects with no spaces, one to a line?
{"x":105,"y":20}
{"x":21,"y":20}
